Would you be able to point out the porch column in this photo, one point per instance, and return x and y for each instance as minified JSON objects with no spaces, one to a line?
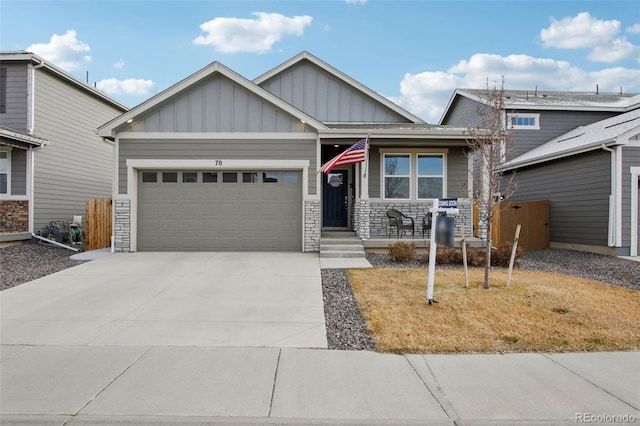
{"x":363,"y":208}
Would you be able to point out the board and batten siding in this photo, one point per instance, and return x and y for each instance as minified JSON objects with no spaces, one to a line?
{"x":578,"y":191}
{"x":457,"y":167}
{"x":15,"y":115}
{"x":327,"y":98}
{"x":255,"y":149}
{"x":217,"y":104}
{"x":630,"y":158}
{"x":18,"y":172}
{"x":76,"y":165}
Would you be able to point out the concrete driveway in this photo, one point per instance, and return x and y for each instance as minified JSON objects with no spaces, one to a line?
{"x":172,"y":299}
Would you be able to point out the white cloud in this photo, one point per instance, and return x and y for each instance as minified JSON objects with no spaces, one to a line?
{"x":427,"y":93}
{"x":129,"y":86}
{"x":118,"y":65}
{"x":580,"y":31}
{"x":356,"y":1}
{"x":232,"y":35}
{"x":65,"y":51}
{"x":614,"y":51}
{"x":634,"y":29}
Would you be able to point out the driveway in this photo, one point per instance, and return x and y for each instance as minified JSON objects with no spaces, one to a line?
{"x":172,"y":299}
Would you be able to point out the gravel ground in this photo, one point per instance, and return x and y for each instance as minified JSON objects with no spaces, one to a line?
{"x":346,"y":329}
{"x":27,"y":261}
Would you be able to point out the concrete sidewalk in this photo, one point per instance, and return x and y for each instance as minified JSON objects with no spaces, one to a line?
{"x":149,"y":385}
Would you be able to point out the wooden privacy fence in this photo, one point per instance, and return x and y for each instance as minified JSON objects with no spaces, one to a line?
{"x":98,"y":224}
{"x":532,"y":215}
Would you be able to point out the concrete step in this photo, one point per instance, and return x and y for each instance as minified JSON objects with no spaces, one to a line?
{"x":342,"y":254}
{"x":338,"y":234}
{"x":341,"y":247}
{"x":341,"y":241}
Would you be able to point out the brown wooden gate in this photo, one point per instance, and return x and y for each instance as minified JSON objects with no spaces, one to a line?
{"x":98,"y":224}
{"x":534,"y":218}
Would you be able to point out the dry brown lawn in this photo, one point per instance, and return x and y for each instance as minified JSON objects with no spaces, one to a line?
{"x":539,"y":311}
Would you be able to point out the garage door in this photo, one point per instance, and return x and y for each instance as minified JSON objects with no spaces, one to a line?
{"x":223,"y":210}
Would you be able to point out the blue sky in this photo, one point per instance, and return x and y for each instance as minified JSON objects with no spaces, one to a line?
{"x":414,"y":52}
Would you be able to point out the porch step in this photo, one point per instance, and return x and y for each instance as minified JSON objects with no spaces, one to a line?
{"x":341,"y":245}
{"x":343,"y":254}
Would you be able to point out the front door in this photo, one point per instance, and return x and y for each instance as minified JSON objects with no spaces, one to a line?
{"x":335,"y":202}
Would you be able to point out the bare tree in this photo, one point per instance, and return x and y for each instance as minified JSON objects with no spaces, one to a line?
{"x":490,"y":142}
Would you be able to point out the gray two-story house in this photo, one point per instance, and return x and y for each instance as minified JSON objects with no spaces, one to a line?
{"x":578,"y":150}
{"x":51,"y":160}
{"x":221,"y":162}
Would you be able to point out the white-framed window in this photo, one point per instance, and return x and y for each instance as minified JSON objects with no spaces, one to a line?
{"x":523,"y":121}
{"x":397,"y":176}
{"x":5,"y":171}
{"x":413,"y":174}
{"x":430,"y":176}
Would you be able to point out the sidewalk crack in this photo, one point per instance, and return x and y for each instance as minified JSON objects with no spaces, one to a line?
{"x":275,"y":377}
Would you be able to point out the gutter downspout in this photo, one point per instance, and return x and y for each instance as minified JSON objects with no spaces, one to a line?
{"x":612,"y":240}
{"x":31,"y":174}
{"x":31,"y":120}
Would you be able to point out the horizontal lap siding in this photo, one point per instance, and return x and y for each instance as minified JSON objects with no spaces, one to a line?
{"x":552,"y":125}
{"x":76,"y":164}
{"x":578,"y":190}
{"x":456,"y":171}
{"x":15,"y":116}
{"x":630,"y":158}
{"x":304,"y":149}
{"x":217,"y":104}
{"x":464,"y":113}
{"x":19,"y":172}
{"x":327,"y":98}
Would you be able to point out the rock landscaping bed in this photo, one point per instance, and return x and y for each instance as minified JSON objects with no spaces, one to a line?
{"x":28,"y":261}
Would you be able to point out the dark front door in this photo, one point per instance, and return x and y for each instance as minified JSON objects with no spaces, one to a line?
{"x":335,"y":206}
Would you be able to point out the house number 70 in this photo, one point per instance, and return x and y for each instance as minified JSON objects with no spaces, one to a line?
{"x":218,"y":162}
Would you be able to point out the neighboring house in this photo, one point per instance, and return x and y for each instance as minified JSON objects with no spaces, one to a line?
{"x":219,"y":162}
{"x":51,"y":159}
{"x":581,"y":152}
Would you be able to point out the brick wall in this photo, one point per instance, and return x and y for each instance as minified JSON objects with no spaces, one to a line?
{"x":122,"y":231}
{"x":14,"y":216}
{"x":311,"y":225}
{"x":379,"y":223}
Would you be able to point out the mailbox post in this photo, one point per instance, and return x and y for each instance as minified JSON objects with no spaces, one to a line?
{"x":443,"y":205}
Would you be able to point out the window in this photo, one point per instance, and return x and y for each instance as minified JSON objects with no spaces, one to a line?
{"x":209,"y":177}
{"x":397,"y":176}
{"x":189,"y":177}
{"x":523,"y":121}
{"x":290,"y":177}
{"x":270,"y":177}
{"x":169,"y":177}
{"x":149,"y":177}
{"x":5,"y":170}
{"x":430,"y":175}
{"x":414,"y":175}
{"x":249,"y":177}
{"x":229,"y":177}
{"x":3,"y":90}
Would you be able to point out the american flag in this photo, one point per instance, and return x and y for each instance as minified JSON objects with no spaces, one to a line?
{"x":356,"y":153}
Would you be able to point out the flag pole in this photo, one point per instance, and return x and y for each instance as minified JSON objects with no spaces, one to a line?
{"x":366,"y":155}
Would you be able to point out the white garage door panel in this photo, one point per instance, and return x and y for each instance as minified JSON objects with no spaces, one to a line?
{"x":219,"y":216}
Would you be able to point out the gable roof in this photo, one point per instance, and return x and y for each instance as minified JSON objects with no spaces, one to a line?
{"x":37,"y":61}
{"x":553,"y":100}
{"x":108,"y":129}
{"x":611,"y":131}
{"x":340,"y":75}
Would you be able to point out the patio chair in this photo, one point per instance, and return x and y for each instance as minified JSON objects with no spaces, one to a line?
{"x":426,"y":224}
{"x":397,"y":220}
